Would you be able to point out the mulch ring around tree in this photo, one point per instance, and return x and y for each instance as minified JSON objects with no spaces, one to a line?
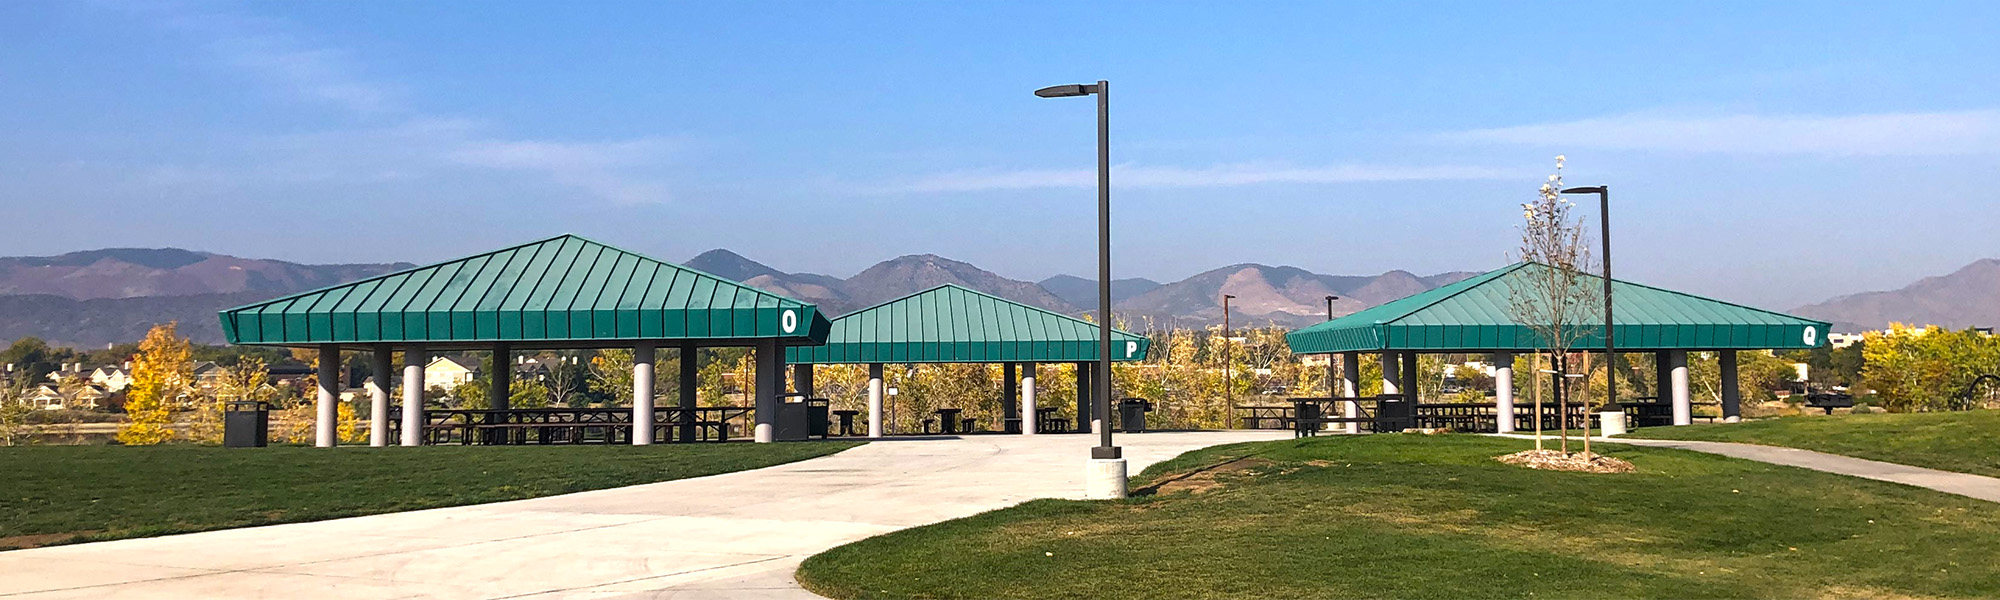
{"x":1556,"y":460}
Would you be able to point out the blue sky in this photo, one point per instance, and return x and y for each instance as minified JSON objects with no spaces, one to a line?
{"x":1771,"y":153}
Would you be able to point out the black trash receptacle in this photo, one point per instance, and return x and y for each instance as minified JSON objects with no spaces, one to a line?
{"x":246,"y":424}
{"x":1305,"y":418}
{"x":818,"y":413}
{"x":791,"y":424}
{"x":1132,"y":414}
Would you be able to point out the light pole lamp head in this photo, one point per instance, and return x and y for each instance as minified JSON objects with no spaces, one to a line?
{"x":1589,"y":189}
{"x":1067,"y":91}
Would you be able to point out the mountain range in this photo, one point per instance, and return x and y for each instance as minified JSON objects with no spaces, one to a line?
{"x":1968,"y":297}
{"x":96,"y":297}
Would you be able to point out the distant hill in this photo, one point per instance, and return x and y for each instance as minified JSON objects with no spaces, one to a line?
{"x":146,"y":272}
{"x":1968,"y":297}
{"x":1287,"y":296}
{"x":1082,"y":292}
{"x":96,"y":322}
{"x":902,"y":276}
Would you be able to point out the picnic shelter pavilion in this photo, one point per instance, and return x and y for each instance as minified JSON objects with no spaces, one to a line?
{"x":564,"y":292}
{"x":1473,"y":317}
{"x":953,"y":324}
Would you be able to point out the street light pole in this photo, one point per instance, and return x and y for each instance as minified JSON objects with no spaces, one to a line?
{"x":1228,"y":370}
{"x":1604,"y":230}
{"x":1107,"y":469}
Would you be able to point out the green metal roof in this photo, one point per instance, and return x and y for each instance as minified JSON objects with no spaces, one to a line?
{"x":564,"y":291}
{"x":949,"y":324}
{"x":1472,"y":316}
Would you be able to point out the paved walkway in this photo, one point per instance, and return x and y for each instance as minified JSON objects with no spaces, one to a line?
{"x":1975,"y":486}
{"x":736,"y":535}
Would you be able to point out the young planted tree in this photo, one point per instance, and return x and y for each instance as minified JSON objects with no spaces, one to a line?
{"x":1550,"y":296}
{"x":162,"y":373}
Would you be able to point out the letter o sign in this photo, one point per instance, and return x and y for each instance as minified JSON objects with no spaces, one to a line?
{"x":1812,"y":336}
{"x":788,"y":320}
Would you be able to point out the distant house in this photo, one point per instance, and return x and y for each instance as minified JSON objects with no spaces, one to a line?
{"x":113,"y":377}
{"x":208,"y":375}
{"x":83,"y":397}
{"x":449,"y":372}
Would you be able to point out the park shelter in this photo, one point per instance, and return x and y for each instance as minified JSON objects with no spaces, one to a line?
{"x":1472,"y":316}
{"x":564,"y":292}
{"x":952,"y":324}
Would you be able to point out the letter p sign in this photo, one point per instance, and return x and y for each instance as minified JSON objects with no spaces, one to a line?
{"x":1131,"y":348}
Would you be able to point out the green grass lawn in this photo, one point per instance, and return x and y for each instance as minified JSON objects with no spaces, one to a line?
{"x":1406,"y":516}
{"x":1967,"y":442}
{"x":52,"y":494}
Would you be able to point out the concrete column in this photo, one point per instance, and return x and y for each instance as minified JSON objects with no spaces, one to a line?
{"x":875,"y":400}
{"x":1083,"y":398}
{"x":1503,"y":389}
{"x":1350,"y":387}
{"x":378,"y":396}
{"x":1392,"y":373}
{"x":689,"y":384}
{"x":769,"y":376}
{"x":326,"y":433}
{"x":643,"y":355}
{"x":1410,"y":376}
{"x":1028,"y":421}
{"x":802,"y":379}
{"x":502,"y":376}
{"x":1732,"y":394}
{"x":414,"y":359}
{"x":1662,"y":377}
{"x":1683,"y":402}
{"x":1010,"y":394}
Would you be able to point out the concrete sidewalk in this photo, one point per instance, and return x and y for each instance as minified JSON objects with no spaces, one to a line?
{"x":736,"y":535}
{"x":1963,"y":484}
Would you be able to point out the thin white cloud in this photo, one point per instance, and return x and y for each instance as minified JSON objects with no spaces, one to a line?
{"x":1876,"y":134}
{"x":1139,"y":176}
{"x":411,"y":144}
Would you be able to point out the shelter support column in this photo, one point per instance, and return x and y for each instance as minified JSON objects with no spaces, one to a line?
{"x":1083,"y":397}
{"x":1732,"y":394}
{"x":689,"y":384}
{"x":802,"y":379}
{"x":1410,"y":376}
{"x":1392,"y":373}
{"x":1029,"y":422}
{"x":326,"y":432}
{"x":875,"y":400}
{"x":1009,"y":395}
{"x":378,"y":396}
{"x":502,"y":376}
{"x":1350,"y":387}
{"x":770,"y":377}
{"x":414,"y":359}
{"x":1503,"y":390}
{"x":642,"y":393}
{"x":1683,"y":403}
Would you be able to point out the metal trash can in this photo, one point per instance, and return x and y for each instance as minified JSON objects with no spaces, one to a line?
{"x":246,"y":424}
{"x":1132,"y":414}
{"x":1305,"y":418}
{"x":791,"y":424}
{"x":818,"y":417}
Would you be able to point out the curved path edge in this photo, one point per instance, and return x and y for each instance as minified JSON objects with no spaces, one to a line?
{"x":1963,"y":484}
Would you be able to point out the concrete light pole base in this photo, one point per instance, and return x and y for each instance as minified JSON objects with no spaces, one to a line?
{"x":1104,"y":479}
{"x":1611,"y":422}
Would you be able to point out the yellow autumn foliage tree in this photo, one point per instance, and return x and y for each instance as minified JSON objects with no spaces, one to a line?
{"x":161,"y":374}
